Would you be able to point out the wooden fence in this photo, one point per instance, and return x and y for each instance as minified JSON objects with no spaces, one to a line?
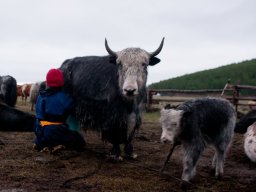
{"x":232,"y":92}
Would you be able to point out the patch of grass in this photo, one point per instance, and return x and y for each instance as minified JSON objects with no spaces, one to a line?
{"x":151,"y":116}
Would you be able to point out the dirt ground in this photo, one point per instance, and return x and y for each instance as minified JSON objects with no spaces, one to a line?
{"x":25,"y":170}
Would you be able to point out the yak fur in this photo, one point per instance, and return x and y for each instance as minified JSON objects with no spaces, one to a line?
{"x":196,"y":124}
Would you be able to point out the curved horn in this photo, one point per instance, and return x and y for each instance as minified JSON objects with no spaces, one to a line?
{"x":156,"y":52}
{"x":109,"y":50}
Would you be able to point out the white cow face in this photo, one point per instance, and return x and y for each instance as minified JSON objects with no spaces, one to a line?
{"x":170,"y":122}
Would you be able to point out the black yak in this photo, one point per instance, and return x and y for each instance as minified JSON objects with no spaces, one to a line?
{"x":246,"y":120}
{"x":12,"y":119}
{"x":196,"y":124}
{"x":8,"y":90}
{"x":109,"y":91}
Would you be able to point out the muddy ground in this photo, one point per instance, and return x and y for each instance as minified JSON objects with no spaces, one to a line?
{"x":25,"y":170}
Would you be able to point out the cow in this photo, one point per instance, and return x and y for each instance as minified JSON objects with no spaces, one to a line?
{"x":250,"y":142}
{"x":12,"y":119}
{"x":8,"y":90}
{"x":25,"y":89}
{"x":34,"y":91}
{"x":109,"y":92}
{"x":196,"y":124}
{"x":248,"y":119}
{"x":19,"y":92}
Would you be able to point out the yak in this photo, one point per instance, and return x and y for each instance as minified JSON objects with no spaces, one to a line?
{"x":8,"y":90}
{"x":109,"y":92}
{"x":246,"y":120}
{"x":12,"y":119}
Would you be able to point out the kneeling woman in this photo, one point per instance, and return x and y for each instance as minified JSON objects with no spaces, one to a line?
{"x":53,"y":107}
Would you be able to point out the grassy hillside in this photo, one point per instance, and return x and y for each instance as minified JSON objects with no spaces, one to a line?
{"x":243,"y":72}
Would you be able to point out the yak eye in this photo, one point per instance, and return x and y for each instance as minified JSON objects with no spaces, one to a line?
{"x":173,"y":124}
{"x":119,"y":64}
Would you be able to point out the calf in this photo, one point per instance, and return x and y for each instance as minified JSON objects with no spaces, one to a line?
{"x":250,"y":142}
{"x":196,"y":124}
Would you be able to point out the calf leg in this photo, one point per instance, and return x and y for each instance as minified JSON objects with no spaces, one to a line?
{"x":190,"y":159}
{"x":218,"y":162}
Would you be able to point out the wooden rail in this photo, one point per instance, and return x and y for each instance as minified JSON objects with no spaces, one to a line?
{"x":231,"y":92}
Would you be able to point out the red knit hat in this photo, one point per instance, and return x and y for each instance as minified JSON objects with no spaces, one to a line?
{"x":54,"y":78}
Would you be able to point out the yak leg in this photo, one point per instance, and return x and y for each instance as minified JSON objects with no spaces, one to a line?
{"x":115,"y":153}
{"x":128,"y":146}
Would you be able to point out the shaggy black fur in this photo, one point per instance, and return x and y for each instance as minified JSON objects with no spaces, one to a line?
{"x":8,"y":90}
{"x":247,"y":120}
{"x":12,"y":119}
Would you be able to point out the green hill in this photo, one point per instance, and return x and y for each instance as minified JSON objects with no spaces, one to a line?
{"x":243,"y":72}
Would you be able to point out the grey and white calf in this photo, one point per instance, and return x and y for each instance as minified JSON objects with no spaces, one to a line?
{"x":196,"y":124}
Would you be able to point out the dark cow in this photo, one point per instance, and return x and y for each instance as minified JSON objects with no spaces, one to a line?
{"x":196,"y":124}
{"x":109,"y":91}
{"x":8,"y":90}
{"x":246,"y":120}
{"x":12,"y":119}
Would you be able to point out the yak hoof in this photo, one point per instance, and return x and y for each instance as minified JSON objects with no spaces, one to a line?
{"x":131,"y":156}
{"x":45,"y":150}
{"x":184,"y":185}
{"x":57,"y":149}
{"x":212,"y":172}
{"x":218,"y":177}
{"x":114,"y":158}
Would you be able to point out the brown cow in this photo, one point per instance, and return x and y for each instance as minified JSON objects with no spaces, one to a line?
{"x":19,"y":92}
{"x":25,"y":90}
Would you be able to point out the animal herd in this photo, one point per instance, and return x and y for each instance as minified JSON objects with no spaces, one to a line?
{"x":109,"y":93}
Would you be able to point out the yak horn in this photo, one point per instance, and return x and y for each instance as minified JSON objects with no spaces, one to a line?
{"x":156,"y":52}
{"x":109,"y":50}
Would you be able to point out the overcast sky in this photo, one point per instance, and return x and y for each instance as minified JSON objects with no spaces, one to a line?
{"x":36,"y":35}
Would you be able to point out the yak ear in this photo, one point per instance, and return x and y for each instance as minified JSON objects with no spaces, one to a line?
{"x":153,"y":61}
{"x":112,"y":59}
